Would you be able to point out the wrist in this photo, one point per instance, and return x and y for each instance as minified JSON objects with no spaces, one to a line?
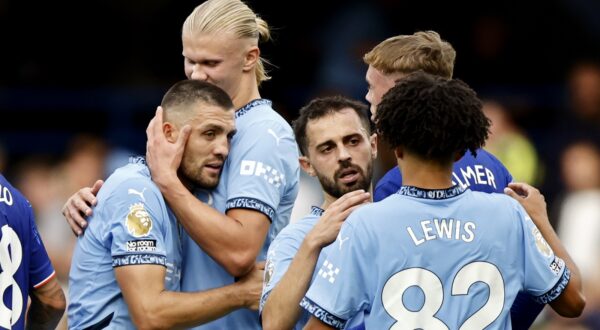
{"x":313,"y":242}
{"x":241,"y":295}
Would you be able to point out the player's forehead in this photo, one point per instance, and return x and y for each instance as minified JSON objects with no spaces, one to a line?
{"x":334,"y":126}
{"x":209,"y":45}
{"x":205,"y":115}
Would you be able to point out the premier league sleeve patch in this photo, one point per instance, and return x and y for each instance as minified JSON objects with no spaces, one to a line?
{"x":138,"y":220}
{"x":541,"y":243}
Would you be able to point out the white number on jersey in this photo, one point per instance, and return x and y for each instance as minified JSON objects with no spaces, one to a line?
{"x":9,"y":264}
{"x":434,"y":296}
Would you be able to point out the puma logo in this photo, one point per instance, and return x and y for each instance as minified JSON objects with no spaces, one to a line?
{"x":135,"y":192}
{"x":277,"y":138}
{"x":341,"y":240}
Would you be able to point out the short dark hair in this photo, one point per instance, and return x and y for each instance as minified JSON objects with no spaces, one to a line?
{"x":320,"y":107}
{"x":433,"y":117}
{"x":190,"y":91}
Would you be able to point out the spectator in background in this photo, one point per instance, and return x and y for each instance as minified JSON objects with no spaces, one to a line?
{"x":579,"y":226}
{"x":584,"y":90}
{"x":510,"y":144}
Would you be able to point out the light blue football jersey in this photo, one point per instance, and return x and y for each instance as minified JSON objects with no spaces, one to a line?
{"x":434,"y":259}
{"x":261,"y":173}
{"x":131,"y":225}
{"x":281,"y":253}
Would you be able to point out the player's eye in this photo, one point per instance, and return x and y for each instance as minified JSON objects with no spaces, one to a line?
{"x":210,"y":134}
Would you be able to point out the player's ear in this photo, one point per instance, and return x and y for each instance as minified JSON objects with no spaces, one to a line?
{"x":373,"y":140}
{"x":306,"y":165}
{"x":252,"y":56}
{"x":171,"y":131}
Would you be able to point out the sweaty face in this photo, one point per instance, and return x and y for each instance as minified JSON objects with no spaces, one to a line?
{"x":208,"y":145}
{"x":341,"y":152}
{"x":379,"y":83}
{"x":215,"y":58}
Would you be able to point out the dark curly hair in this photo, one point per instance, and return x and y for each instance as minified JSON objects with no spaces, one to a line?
{"x":433,"y":117}
{"x":320,"y":107}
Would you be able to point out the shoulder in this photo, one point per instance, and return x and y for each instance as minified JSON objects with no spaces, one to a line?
{"x":260,"y":113}
{"x":11,"y":196}
{"x":128,"y":185}
{"x":388,"y":184}
{"x":483,"y":157}
{"x":297,"y":230}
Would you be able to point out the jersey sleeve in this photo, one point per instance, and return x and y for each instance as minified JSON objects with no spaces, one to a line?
{"x":389,"y":184}
{"x":279,"y":257}
{"x":40,"y":267}
{"x":546,"y":275}
{"x":263,"y":165}
{"x":341,"y":288}
{"x":138,"y":234}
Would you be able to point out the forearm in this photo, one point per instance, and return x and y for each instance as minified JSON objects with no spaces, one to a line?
{"x":222,"y":237}
{"x":559,"y":250}
{"x":42,"y":316}
{"x":170,"y":309}
{"x":48,"y":304}
{"x":571,"y":301}
{"x":282,"y":308}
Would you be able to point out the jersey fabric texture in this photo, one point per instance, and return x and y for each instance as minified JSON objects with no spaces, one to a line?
{"x":438,"y":259}
{"x":483,"y":172}
{"x":131,"y":225}
{"x":24,"y":263}
{"x":261,"y":173}
{"x":282,"y":252}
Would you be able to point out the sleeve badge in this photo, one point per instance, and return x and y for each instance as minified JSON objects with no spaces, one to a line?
{"x":138,"y":221}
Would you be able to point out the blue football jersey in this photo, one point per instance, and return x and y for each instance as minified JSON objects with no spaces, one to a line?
{"x":435,"y":259}
{"x":281,"y":253}
{"x":261,"y":173}
{"x":483,"y":172}
{"x":24,"y":263}
{"x":131,"y":225}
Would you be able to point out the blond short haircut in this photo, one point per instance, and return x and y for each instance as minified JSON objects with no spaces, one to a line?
{"x":218,"y":16}
{"x":424,"y":50}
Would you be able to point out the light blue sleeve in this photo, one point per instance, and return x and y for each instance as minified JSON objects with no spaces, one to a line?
{"x":279,"y":257}
{"x":138,"y":232}
{"x":342,"y":288}
{"x":546,"y":275}
{"x":262,"y":168}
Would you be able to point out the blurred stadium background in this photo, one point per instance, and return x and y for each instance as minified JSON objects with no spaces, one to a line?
{"x":79,"y":82}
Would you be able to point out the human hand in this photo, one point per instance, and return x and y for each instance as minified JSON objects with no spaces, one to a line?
{"x":251,"y":286}
{"x":330,"y":223}
{"x":163,"y":157}
{"x":531,"y":199}
{"x":80,"y":205}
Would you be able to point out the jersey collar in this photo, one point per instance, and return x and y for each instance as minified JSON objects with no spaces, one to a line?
{"x":316,"y":211}
{"x":431,"y":193}
{"x":137,"y":159}
{"x":254,"y":103}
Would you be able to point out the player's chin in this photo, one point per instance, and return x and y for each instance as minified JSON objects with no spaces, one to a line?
{"x":210,"y":180}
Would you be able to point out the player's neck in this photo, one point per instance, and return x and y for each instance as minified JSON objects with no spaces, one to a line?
{"x":247,"y":91}
{"x":426,"y":175}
